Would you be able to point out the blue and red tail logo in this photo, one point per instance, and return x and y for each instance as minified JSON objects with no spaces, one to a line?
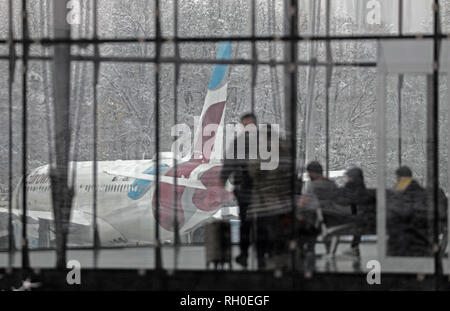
{"x":140,"y":187}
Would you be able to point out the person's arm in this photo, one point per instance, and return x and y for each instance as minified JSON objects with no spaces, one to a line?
{"x":306,"y":196}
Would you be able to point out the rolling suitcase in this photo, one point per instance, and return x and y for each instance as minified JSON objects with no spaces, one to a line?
{"x":218,"y":244}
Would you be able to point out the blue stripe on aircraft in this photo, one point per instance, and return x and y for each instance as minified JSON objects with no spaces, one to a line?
{"x":139,"y":186}
{"x":224,"y":52}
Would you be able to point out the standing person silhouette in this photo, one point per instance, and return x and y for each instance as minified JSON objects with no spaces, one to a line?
{"x":242,"y":186}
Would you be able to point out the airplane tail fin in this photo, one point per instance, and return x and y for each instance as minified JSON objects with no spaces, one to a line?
{"x":208,"y":139}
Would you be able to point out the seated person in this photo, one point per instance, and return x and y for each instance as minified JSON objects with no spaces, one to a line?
{"x":319,"y":202}
{"x":362,"y":206}
{"x":408,"y":224}
{"x":410,"y":219}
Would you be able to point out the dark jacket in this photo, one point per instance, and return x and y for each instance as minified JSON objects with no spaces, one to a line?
{"x":238,"y":168}
{"x":361,"y":204}
{"x":271,"y":200}
{"x":271,"y":189}
{"x":408,"y":223}
{"x":320,"y":193}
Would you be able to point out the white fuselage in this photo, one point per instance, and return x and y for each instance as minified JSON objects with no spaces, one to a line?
{"x":124,"y":206}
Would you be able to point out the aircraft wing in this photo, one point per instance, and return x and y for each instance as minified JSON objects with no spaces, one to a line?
{"x":109,"y":235}
{"x":187,"y":182}
{"x":77,"y":217}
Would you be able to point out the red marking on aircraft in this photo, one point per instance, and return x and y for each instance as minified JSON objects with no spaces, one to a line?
{"x":213,"y":115}
{"x":207,"y":200}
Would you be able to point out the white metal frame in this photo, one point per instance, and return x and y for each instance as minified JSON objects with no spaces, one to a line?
{"x":399,"y":57}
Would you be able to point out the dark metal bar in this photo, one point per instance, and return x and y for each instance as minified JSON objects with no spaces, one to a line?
{"x":170,"y":60}
{"x":175,"y":118}
{"x":293,"y":120}
{"x":161,"y":40}
{"x":12,"y":69}
{"x":45,"y":70}
{"x":286,"y":60}
{"x":35,"y":58}
{"x":312,"y":72}
{"x":96,"y":236}
{"x":79,"y":96}
{"x":158,"y":259}
{"x":400,"y":87}
{"x":287,"y":96}
{"x":328,"y":74}
{"x":219,"y":61}
{"x":44,"y":235}
{"x":273,"y":69}
{"x":433,"y":157}
{"x":400,"y":121}
{"x":254,"y":56}
{"x":61,"y":193}
{"x":25,"y":45}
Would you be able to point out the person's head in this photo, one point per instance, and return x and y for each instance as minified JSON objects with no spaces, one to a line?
{"x":355,"y":175}
{"x":314,"y":170}
{"x":403,"y":172}
{"x":248,"y":118}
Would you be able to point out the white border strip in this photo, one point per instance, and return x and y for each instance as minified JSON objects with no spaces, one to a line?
{"x":389,"y":263}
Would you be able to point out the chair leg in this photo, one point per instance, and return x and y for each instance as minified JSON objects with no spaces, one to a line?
{"x":443,"y":244}
{"x":334,"y":244}
{"x":327,"y":244}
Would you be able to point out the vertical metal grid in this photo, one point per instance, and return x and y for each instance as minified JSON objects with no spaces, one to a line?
{"x":12,"y":69}
{"x":25,"y":46}
{"x":46,"y":68}
{"x":254,"y":57}
{"x":328,"y":73}
{"x":158,"y":259}
{"x":293,"y":15}
{"x":400,"y":87}
{"x":175,"y":120}
{"x":293,"y":38}
{"x":434,"y":140}
{"x":96,"y":238}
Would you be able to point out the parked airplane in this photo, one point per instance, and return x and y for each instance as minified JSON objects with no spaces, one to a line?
{"x":125,"y":189}
{"x":126,"y":200}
